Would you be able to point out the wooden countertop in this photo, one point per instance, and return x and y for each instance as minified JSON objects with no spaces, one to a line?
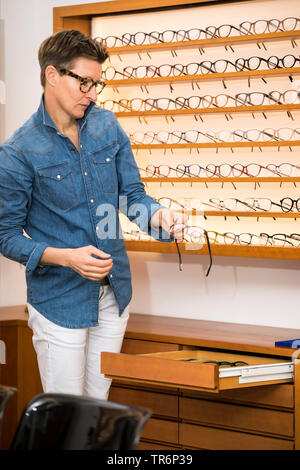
{"x":198,"y":333}
{"x":211,"y":334}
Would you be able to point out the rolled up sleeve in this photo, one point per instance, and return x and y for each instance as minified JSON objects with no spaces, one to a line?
{"x":16,"y":179}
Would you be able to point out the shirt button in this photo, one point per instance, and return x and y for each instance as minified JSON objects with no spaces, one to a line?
{"x":92,"y":200}
{"x":58,"y":177}
{"x":110,"y":275}
{"x":85,"y":173}
{"x":108,"y":159}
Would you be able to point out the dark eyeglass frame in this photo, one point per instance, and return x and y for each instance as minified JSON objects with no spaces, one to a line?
{"x":225,"y":364}
{"x":292,"y":202}
{"x":282,"y":237}
{"x":84,"y":80}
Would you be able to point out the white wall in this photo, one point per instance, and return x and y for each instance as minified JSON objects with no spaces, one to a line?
{"x":241,"y":290}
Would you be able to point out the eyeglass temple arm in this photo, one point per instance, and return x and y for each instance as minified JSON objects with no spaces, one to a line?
{"x":209,"y":251}
{"x":179,"y":255}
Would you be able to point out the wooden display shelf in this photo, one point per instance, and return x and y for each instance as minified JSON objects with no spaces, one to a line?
{"x":228,"y":213}
{"x":217,"y":249}
{"x":205,"y":77}
{"x":270,"y":143}
{"x":227,"y":41}
{"x":220,"y":213}
{"x":211,"y":110}
{"x":214,"y":179}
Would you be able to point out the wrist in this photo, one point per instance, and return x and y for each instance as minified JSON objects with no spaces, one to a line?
{"x":56,"y":257}
{"x":66,"y":257}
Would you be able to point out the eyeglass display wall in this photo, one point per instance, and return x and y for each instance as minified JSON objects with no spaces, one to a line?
{"x":211,"y":105}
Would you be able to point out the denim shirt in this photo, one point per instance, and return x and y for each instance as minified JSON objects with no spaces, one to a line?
{"x":62,"y":197}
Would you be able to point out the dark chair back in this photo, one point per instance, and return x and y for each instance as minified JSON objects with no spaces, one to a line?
{"x":54,"y":421}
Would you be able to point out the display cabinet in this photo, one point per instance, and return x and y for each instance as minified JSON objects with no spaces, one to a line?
{"x":240,"y":43}
{"x":201,"y":406}
{"x":192,"y":406}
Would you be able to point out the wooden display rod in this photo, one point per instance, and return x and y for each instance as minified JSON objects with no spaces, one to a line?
{"x":244,"y":39}
{"x":217,"y":249}
{"x":213,"y":179}
{"x":270,"y":143}
{"x":228,"y":213}
{"x":220,"y":213}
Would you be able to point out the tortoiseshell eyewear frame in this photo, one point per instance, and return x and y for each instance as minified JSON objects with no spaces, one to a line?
{"x":86,"y":83}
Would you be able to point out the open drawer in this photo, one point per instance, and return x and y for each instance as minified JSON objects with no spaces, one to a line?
{"x":191,"y":369}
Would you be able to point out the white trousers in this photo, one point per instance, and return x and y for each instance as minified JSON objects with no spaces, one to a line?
{"x":69,"y":359}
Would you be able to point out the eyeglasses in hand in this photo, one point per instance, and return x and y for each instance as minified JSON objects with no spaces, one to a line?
{"x":232,"y":204}
{"x":196,"y":235}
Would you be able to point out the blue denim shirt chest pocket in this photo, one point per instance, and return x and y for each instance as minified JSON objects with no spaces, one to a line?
{"x":104,"y":162}
{"x":57,"y":186}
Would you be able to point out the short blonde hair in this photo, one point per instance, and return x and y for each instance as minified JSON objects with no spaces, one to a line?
{"x":62,"y":48}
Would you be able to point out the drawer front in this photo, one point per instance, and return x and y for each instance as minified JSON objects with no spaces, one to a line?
{"x":154,"y":370}
{"x":279,"y":396}
{"x":238,"y":416}
{"x":161,"y":430}
{"x":196,"y":370}
{"x":136,"y":346}
{"x":159,"y":403}
{"x":220,"y":439}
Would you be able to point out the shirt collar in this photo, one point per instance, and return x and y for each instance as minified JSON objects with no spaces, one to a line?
{"x":47,"y":121}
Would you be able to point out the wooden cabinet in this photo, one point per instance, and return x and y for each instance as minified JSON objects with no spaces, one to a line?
{"x":175,"y":369}
{"x":20,"y":370}
{"x":194,"y":408}
{"x":185,"y":414}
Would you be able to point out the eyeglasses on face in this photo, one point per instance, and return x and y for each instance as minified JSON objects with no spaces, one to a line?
{"x":86,"y":83}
